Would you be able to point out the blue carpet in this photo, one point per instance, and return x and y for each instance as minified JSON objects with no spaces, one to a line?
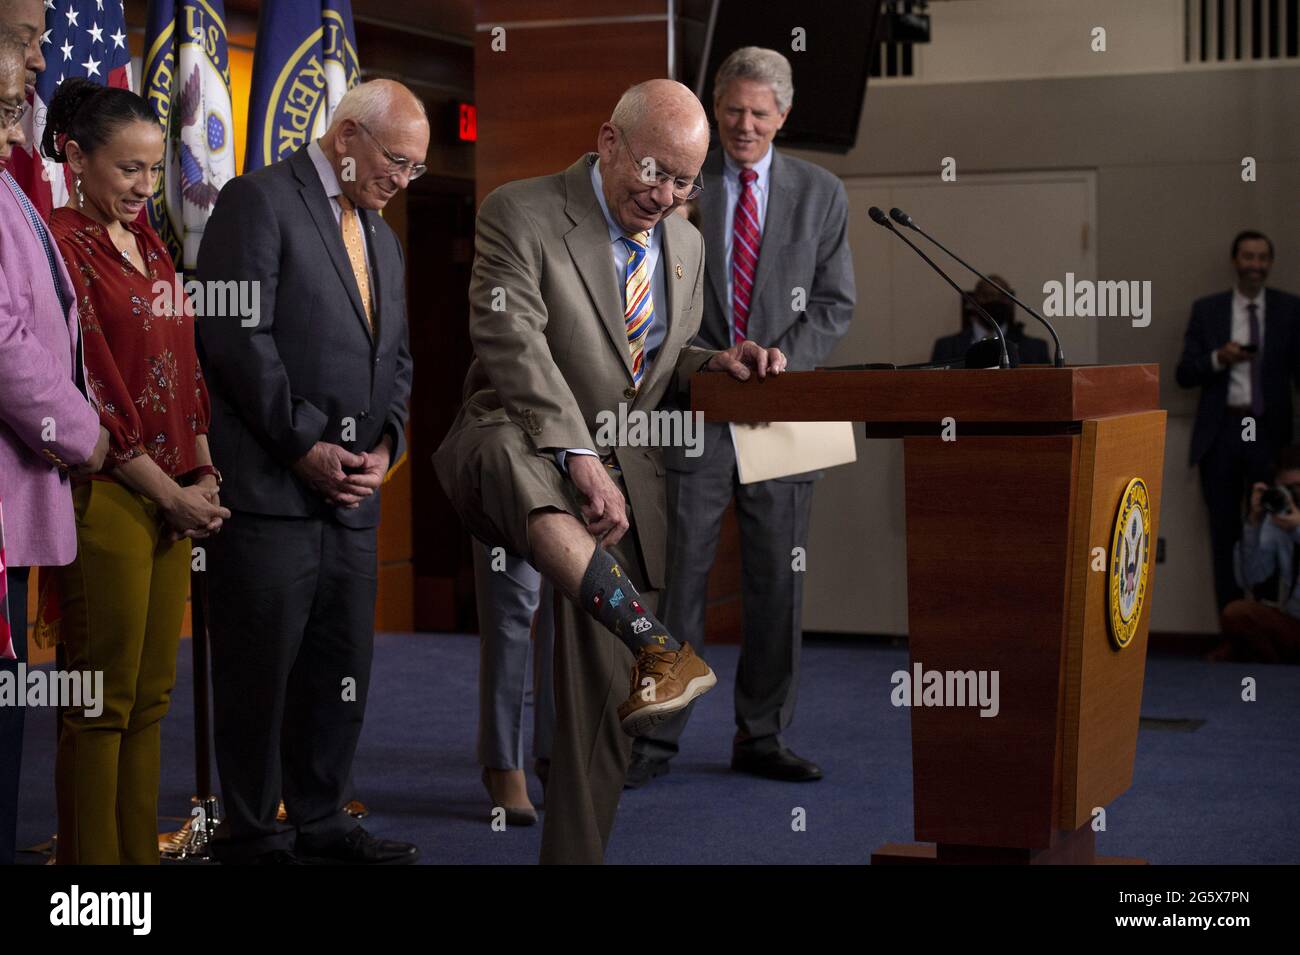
{"x":1225,"y":793}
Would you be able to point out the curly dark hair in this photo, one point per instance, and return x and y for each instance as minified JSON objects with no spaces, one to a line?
{"x":89,"y":113}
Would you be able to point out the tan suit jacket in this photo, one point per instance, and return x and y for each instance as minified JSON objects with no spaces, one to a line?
{"x":546,"y":320}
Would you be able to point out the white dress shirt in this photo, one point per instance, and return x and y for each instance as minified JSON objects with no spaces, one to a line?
{"x":1239,"y":374}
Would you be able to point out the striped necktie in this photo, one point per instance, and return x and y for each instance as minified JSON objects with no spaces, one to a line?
{"x":639,"y":306}
{"x":34,"y":218}
{"x":747,"y":237}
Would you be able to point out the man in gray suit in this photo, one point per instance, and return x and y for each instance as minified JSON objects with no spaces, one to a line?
{"x":585,"y":297}
{"x":776,"y":239}
{"x":309,"y":406}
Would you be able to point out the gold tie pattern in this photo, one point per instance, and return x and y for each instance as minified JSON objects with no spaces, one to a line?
{"x":351,"y":225}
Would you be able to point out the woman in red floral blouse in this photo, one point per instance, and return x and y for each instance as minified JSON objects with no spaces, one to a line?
{"x":123,"y":600}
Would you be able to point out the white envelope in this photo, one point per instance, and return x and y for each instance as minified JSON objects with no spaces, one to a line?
{"x":780,"y":448}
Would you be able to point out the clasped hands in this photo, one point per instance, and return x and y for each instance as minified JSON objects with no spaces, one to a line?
{"x":343,"y":477}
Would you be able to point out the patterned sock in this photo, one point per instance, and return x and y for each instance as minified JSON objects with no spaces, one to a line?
{"x":608,"y":595}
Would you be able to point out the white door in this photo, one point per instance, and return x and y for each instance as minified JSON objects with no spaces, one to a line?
{"x":1030,"y":228}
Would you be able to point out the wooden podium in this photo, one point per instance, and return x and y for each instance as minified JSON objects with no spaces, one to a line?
{"x":1014,"y":480}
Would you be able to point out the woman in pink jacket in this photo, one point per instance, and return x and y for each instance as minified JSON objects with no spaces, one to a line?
{"x":46,"y":422}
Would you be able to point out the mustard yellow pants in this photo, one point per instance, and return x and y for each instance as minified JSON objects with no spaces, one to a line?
{"x":123,"y":604}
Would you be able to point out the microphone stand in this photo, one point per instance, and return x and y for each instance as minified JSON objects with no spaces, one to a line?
{"x":902,"y":218}
{"x":881,"y":219}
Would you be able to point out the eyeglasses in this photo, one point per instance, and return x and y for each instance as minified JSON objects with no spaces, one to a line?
{"x":11,"y":116}
{"x":396,"y":164}
{"x":684,"y":189}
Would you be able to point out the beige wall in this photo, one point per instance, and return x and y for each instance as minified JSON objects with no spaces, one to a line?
{"x":1167,"y":152}
{"x":1000,"y":39}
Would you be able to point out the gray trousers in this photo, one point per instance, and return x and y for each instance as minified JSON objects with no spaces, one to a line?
{"x":773,"y":518}
{"x":292,"y":621}
{"x":509,"y":591}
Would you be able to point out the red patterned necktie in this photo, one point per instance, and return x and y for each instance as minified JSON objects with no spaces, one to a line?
{"x":745,"y":242}
{"x":6,"y":640}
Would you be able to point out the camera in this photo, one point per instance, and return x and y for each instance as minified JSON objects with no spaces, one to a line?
{"x":1276,"y":500}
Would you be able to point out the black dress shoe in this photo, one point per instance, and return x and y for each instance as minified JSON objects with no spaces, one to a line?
{"x":278,"y":857}
{"x":359,"y":847}
{"x":778,"y":764}
{"x":642,"y":769}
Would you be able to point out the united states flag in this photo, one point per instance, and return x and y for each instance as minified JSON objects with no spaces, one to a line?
{"x":82,"y":38}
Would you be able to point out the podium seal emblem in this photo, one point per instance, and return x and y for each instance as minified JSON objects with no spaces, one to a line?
{"x":1130,"y":563}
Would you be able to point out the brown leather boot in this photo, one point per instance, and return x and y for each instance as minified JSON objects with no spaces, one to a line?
{"x":663,"y":682}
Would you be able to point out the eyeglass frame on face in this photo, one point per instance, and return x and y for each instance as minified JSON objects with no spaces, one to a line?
{"x":7,"y":110}
{"x":697,"y":185}
{"x":414,"y":170}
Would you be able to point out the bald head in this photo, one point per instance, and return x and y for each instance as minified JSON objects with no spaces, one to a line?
{"x":657,"y":131}
{"x":381,"y":127}
{"x":663,"y":113}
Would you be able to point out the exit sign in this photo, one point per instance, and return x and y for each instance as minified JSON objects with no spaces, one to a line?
{"x":467,"y":127}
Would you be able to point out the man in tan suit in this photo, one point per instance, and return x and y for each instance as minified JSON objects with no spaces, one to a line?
{"x":585,"y":295}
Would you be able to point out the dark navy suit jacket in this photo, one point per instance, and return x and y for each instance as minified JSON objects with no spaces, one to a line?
{"x":1211,"y":327}
{"x":1021,"y":348}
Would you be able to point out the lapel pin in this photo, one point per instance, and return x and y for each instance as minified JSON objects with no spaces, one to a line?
{"x":679,"y":270}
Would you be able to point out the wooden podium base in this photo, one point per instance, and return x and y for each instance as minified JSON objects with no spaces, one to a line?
{"x":1068,"y":848}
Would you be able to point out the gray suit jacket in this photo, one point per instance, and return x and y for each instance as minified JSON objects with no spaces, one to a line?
{"x":310,"y":370}
{"x":805,"y":245}
{"x":550,"y":344}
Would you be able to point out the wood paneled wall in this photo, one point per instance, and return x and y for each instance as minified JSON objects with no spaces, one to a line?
{"x":564,"y":65}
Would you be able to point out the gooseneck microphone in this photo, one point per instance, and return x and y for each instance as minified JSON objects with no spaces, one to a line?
{"x":880,"y":219}
{"x":902,"y":218}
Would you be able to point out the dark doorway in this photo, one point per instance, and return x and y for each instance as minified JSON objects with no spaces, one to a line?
{"x":440,"y":241}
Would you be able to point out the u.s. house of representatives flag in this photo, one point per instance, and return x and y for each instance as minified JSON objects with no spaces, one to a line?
{"x":82,"y":38}
{"x":187,"y":82}
{"x":305,"y":60}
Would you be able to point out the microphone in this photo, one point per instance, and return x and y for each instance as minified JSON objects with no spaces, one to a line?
{"x":880,"y":219}
{"x":902,"y":218}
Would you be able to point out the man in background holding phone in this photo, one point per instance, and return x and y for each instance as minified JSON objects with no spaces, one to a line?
{"x":1242,"y":348}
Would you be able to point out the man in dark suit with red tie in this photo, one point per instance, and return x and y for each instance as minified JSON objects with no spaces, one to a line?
{"x":1242,"y":348}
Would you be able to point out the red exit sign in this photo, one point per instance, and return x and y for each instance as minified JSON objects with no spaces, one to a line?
{"x":467,"y":129}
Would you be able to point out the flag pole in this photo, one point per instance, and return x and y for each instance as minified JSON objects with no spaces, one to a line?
{"x":193,"y":839}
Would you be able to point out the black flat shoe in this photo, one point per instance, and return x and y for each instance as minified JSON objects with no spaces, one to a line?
{"x":779,"y":764}
{"x":642,"y":769}
{"x":358,"y":847}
